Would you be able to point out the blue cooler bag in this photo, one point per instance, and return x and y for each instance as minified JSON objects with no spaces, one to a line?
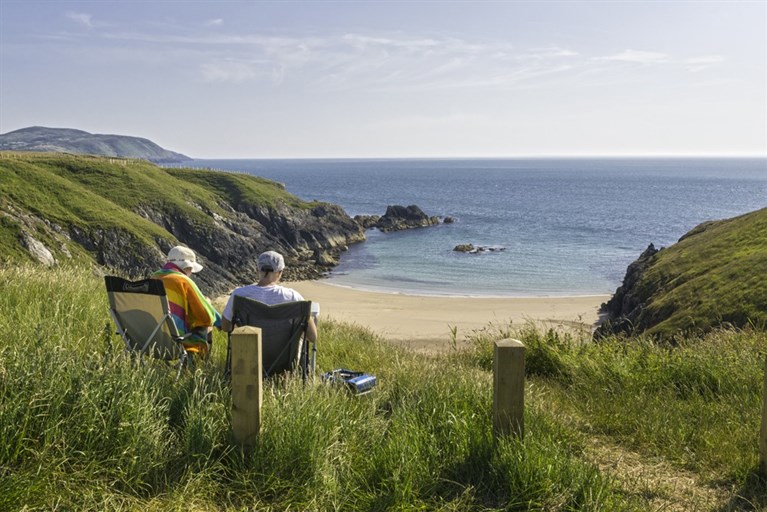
{"x":357,"y":382}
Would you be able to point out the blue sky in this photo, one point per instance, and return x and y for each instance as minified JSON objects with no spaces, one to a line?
{"x":251,"y":79}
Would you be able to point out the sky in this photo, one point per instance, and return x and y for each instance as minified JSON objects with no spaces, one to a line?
{"x":400,"y":79}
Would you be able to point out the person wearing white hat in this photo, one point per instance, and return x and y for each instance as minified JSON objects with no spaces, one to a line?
{"x":190,"y":309}
{"x":267,"y":290}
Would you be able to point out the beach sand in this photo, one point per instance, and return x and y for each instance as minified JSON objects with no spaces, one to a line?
{"x":423,"y":323}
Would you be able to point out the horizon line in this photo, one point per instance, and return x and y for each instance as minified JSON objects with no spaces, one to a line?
{"x":499,"y":157}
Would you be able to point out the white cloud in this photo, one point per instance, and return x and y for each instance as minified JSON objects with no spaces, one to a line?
{"x":81,"y":18}
{"x":545,"y":53}
{"x":378,"y":61}
{"x":702,"y":63}
{"x":228,"y":72}
{"x":638,"y":57}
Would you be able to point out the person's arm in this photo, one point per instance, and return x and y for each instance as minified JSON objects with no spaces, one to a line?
{"x":311,"y":330}
{"x":226,"y":316}
{"x":200,"y":312}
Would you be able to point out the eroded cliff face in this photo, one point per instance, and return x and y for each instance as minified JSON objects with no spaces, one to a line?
{"x":311,"y":239}
{"x":623,"y":311}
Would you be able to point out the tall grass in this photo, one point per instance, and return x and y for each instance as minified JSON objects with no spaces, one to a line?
{"x":83,"y":428}
{"x":697,"y":404}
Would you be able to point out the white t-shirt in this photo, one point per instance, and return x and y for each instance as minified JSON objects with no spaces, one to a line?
{"x":272,"y":294}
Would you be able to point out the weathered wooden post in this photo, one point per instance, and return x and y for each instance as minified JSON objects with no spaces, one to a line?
{"x":247,"y":384}
{"x":509,"y":388}
{"x":763,"y":432}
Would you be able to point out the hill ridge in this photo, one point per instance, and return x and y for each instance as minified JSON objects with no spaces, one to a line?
{"x":71,"y":140}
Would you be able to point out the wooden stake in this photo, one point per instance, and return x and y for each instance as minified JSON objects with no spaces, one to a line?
{"x":247,"y":384}
{"x":509,"y":388}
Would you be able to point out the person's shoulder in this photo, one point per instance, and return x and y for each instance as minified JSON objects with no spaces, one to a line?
{"x":247,"y":289}
{"x":291,"y":293}
{"x":170,"y":277}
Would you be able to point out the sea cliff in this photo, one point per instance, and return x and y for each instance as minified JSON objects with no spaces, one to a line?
{"x":122,"y":216}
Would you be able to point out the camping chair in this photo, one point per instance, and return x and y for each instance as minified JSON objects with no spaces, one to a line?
{"x":142,"y":316}
{"x":283,"y":328}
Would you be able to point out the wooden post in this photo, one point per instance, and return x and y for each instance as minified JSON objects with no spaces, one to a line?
{"x":247,"y":384}
{"x":763,"y":432}
{"x":509,"y":388}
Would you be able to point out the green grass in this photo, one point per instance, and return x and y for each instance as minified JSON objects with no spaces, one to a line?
{"x":83,"y":429}
{"x":697,"y":405}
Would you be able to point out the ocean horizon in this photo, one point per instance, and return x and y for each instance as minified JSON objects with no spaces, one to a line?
{"x":560,"y":226}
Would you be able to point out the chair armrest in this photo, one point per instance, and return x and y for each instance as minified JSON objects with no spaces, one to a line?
{"x":315,"y":310}
{"x":182,"y":338}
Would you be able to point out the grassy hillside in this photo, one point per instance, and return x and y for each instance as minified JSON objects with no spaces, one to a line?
{"x":125,"y":214}
{"x":610,"y":426}
{"x":85,"y":191}
{"x":713,"y":276}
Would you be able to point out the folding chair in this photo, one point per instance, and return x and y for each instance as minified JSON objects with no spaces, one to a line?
{"x":283,"y":329}
{"x":142,"y":316}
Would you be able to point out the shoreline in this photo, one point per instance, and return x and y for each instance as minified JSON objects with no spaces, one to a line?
{"x":425,"y":322}
{"x":383,"y":291}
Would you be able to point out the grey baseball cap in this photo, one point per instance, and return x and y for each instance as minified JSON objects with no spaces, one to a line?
{"x":271,"y":261}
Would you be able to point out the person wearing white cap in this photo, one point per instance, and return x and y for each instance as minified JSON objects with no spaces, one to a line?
{"x":190,"y":309}
{"x":267,"y":290}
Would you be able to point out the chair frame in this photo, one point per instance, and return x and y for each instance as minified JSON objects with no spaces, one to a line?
{"x":250,"y":312}
{"x":152,"y":345}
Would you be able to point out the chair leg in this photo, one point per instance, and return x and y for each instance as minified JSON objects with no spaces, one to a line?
{"x":304,"y":360}
{"x":228,"y":363}
{"x":314,"y":360}
{"x":182,"y":363}
{"x":107,"y":342}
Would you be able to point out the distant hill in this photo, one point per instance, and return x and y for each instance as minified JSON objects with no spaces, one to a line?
{"x":714,"y":275}
{"x":66,"y":140}
{"x":124,"y":215}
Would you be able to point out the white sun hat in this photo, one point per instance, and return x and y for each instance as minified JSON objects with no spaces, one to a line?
{"x":183,"y":258}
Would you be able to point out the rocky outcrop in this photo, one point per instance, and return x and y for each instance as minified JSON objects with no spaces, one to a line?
{"x":477,"y":249}
{"x":621,"y":312}
{"x":397,"y":218}
{"x":367,"y":221}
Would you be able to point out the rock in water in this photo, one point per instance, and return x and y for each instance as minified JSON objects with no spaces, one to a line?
{"x":398,"y":218}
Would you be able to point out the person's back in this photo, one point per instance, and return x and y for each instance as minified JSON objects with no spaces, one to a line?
{"x":270,"y":294}
{"x":191,"y":311}
{"x":267,"y":290}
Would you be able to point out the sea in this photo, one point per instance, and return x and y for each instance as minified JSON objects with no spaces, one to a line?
{"x":557,"y":226}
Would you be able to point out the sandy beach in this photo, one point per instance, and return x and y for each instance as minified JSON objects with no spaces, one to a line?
{"x":424,"y":323}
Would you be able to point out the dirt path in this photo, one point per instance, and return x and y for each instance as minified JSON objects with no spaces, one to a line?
{"x":666,"y":488}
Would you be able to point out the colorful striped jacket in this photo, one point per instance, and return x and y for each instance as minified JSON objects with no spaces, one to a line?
{"x":191,"y":311}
